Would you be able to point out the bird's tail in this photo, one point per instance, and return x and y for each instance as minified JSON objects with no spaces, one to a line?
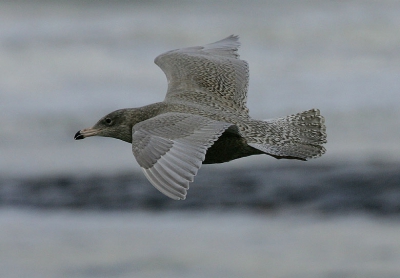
{"x":298,"y":136}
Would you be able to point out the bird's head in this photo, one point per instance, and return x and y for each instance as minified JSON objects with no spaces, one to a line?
{"x":116,"y":125}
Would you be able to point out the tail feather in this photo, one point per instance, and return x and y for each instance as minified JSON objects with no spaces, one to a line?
{"x":298,"y":136}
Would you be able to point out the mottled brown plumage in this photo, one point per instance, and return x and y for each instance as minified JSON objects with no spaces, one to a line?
{"x":204,"y":119}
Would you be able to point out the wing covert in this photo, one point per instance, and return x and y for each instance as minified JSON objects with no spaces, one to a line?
{"x":207,"y":75}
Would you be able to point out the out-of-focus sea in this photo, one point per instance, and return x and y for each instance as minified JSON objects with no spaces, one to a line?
{"x":83,"y":208}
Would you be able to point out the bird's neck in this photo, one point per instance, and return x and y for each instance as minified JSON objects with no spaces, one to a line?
{"x":137,"y":115}
{"x":146,"y":112}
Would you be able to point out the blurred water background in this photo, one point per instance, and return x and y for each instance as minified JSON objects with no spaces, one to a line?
{"x":83,"y":209}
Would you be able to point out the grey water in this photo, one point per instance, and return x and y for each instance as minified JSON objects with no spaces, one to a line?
{"x":64,"y":64}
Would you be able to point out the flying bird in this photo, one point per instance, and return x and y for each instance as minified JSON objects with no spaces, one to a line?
{"x":204,"y":120}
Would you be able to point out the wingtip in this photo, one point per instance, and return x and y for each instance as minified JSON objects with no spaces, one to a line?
{"x":160,"y":184}
{"x":228,"y":46}
{"x":232,"y":40}
{"x":234,"y":37}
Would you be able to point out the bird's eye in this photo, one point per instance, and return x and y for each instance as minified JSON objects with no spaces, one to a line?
{"x":108,"y":121}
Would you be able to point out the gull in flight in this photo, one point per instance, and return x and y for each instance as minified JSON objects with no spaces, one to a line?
{"x":204,"y":119}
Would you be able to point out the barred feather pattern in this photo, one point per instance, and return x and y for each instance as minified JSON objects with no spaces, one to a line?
{"x":206,"y":74}
{"x":299,"y":136}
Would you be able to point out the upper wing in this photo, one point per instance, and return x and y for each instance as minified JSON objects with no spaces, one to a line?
{"x":209,"y":75}
{"x":171,"y":147}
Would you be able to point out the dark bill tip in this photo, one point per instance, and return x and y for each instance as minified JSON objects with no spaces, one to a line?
{"x":78,"y":136}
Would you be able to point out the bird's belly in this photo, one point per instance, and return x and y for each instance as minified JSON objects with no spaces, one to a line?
{"x":228,"y":147}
